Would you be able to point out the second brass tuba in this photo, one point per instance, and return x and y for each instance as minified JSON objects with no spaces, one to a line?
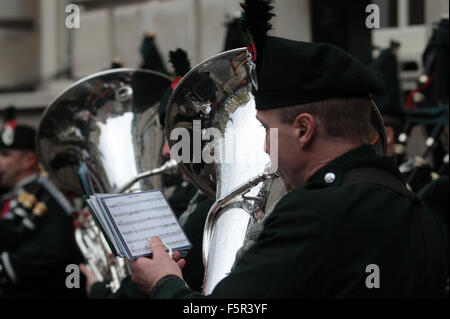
{"x":106,"y":124}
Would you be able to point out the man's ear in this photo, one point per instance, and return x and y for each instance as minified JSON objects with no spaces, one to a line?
{"x":390,"y":135}
{"x":305,"y":129}
{"x":390,"y":139}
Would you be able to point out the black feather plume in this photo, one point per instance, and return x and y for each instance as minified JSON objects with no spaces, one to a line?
{"x":180,"y":62}
{"x":256,"y":17}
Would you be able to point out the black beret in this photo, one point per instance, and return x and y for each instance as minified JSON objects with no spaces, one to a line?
{"x":20,"y":137}
{"x":294,"y":73}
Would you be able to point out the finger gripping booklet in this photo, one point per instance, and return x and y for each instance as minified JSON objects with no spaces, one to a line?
{"x":128,"y":221}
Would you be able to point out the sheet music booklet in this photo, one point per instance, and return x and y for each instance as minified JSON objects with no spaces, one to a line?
{"x":128,"y":221}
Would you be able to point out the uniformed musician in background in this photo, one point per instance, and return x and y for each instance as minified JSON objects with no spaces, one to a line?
{"x":390,"y":104}
{"x":36,"y":236}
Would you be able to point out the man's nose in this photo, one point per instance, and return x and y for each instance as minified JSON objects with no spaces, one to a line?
{"x":166,"y":150}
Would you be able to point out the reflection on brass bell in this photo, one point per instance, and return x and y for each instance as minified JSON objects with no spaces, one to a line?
{"x":40,"y":209}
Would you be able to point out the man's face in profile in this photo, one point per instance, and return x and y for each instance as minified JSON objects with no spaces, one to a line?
{"x":287,"y":148}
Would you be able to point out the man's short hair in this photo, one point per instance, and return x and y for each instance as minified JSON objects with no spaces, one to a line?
{"x":346,"y":118}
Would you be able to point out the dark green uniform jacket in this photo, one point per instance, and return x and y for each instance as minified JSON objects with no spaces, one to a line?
{"x":435,"y":195}
{"x":333,"y":238}
{"x":34,"y":255}
{"x":127,"y":290}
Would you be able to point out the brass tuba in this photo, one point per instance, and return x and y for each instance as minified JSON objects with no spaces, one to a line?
{"x":106,"y":124}
{"x":216,"y":97}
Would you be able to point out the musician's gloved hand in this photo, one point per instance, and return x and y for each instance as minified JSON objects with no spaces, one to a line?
{"x":147,"y":272}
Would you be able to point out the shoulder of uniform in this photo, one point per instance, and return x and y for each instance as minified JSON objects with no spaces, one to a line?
{"x":293,"y":205}
{"x":44,"y":191}
{"x":56,"y":194}
{"x":27,"y":209}
{"x":300,"y":195}
{"x":308,"y":205}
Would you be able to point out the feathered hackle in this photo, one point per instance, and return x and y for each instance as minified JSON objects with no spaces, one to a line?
{"x":180,"y":62}
{"x":255,"y":17}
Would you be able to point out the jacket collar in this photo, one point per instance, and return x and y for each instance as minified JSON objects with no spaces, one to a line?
{"x":332,"y":174}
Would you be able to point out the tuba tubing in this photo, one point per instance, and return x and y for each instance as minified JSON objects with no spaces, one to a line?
{"x":166,"y":167}
{"x":237,"y":211}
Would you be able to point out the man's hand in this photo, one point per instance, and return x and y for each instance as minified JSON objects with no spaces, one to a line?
{"x":147,"y":272}
{"x":91,"y":278}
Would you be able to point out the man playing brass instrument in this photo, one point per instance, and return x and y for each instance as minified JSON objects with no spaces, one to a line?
{"x":36,"y":237}
{"x":348,"y":227}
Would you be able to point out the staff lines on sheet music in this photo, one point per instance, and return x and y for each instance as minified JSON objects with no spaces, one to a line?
{"x":140,"y":221}
{"x":141,"y":250}
{"x":176,"y":243}
{"x":166,"y":235}
{"x":139,"y":211}
{"x":147,"y":247}
{"x":133,"y":231}
{"x":126,"y":203}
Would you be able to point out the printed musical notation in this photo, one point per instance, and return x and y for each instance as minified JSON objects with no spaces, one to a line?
{"x":138,"y":217}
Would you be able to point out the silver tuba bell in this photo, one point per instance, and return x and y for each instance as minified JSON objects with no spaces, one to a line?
{"x":107,"y":124}
{"x":215,"y":99}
